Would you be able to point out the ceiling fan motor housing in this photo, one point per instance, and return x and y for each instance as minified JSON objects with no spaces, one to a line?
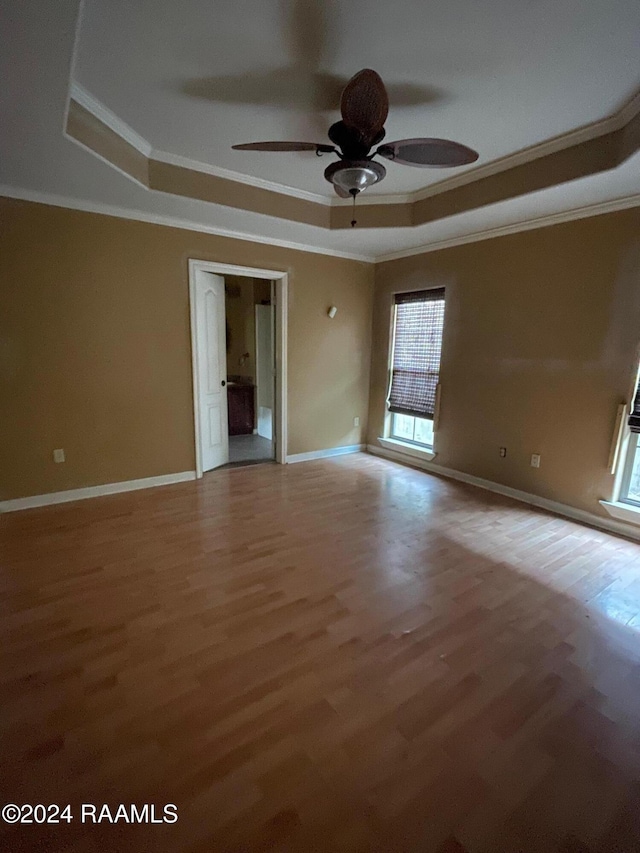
{"x":364,"y":107}
{"x":353,"y":176}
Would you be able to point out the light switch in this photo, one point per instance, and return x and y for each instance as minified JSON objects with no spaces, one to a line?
{"x":58,"y":455}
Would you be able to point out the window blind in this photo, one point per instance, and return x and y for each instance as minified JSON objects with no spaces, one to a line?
{"x":634,"y":417}
{"x":417,"y":345}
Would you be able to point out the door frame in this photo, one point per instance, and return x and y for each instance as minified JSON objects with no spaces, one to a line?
{"x":257,"y":351}
{"x":281,"y":288}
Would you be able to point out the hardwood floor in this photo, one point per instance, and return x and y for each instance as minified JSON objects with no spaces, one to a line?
{"x":344,"y":655}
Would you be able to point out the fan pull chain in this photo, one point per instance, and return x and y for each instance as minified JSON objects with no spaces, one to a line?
{"x":354,"y":220}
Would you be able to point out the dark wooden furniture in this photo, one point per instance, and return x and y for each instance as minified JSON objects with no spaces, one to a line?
{"x":240,"y":399}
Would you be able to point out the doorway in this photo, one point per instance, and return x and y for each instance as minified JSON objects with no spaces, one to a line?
{"x":238,"y":350}
{"x":250,"y":331}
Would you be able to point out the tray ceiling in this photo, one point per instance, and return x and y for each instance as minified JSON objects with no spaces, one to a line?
{"x":576,"y":62}
{"x":193,"y":78}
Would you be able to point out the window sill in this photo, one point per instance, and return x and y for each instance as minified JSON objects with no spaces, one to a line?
{"x":408,"y":449}
{"x":622,"y":511}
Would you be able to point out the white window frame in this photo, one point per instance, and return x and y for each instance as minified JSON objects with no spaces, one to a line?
{"x":412,"y":442}
{"x":409,"y":448}
{"x":628,"y":445}
{"x":632,"y":450}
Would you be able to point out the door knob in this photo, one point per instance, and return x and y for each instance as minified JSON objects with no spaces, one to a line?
{"x":223,"y":383}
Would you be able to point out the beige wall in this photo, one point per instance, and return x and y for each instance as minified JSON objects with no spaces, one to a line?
{"x":95,"y":346}
{"x":542,"y":330}
{"x":541,"y":336}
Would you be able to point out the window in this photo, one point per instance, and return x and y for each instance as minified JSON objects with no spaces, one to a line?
{"x":408,"y":428}
{"x":418,"y":322}
{"x":630,"y":491}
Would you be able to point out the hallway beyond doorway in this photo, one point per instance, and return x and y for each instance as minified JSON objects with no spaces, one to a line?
{"x":250,"y":448}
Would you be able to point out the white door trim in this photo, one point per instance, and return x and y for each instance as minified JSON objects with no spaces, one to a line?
{"x":258,"y":309}
{"x":281,"y":281}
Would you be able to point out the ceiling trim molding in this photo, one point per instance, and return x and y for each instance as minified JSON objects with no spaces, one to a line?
{"x":585,"y":133}
{"x":109,"y":161}
{"x":611,"y":123}
{"x":629,"y":109}
{"x":86,"y":129}
{"x":90,"y":103}
{"x":81,"y":96}
{"x":377,"y":200}
{"x":188,"y":183}
{"x":596,"y":209}
{"x":229,"y":175}
{"x":169,"y":221}
{"x":582,"y":159}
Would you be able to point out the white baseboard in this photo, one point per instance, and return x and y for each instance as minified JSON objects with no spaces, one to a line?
{"x":323,"y":454}
{"x":95,"y":491}
{"x":610,"y":525}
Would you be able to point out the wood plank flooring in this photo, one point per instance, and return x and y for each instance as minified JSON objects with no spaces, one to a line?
{"x":343,"y":655}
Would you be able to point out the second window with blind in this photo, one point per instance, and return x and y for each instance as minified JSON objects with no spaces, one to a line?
{"x":418,"y":324}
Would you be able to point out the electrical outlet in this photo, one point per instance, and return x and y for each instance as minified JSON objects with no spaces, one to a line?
{"x":503,"y":452}
{"x":356,"y":421}
{"x":58,"y":455}
{"x":535,"y":460}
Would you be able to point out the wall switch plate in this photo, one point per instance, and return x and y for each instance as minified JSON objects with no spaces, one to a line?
{"x":356,"y":421}
{"x":535,"y":460}
{"x":503,"y":452}
{"x":58,"y":455}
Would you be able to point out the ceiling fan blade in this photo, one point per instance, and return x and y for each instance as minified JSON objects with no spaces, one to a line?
{"x":284,"y":146}
{"x":365,"y":103}
{"x":342,"y":193}
{"x":438,"y":153}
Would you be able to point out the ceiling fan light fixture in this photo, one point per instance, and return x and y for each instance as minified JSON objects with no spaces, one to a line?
{"x":354,"y":176}
{"x":364,"y":107}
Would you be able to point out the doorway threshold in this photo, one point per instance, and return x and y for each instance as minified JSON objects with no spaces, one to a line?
{"x":243,"y":463}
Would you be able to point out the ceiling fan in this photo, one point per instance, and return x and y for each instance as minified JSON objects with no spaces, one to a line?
{"x":364,"y":106}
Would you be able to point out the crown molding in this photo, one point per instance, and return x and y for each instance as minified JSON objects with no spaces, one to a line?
{"x":596,"y":209}
{"x":103,"y":159}
{"x":81,"y":96}
{"x":615,"y":121}
{"x":627,"y":110}
{"x":387,"y":198}
{"x":73,"y":64}
{"x":169,"y":221}
{"x":238,"y":177}
{"x":90,"y":103}
{"x":584,"y":212}
{"x":612,"y":122}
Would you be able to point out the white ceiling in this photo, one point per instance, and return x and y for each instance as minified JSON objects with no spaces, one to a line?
{"x":194,"y":77}
{"x":38,"y":162}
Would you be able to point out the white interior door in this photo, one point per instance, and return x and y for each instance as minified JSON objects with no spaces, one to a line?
{"x":212,"y":370}
{"x":264,"y":370}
